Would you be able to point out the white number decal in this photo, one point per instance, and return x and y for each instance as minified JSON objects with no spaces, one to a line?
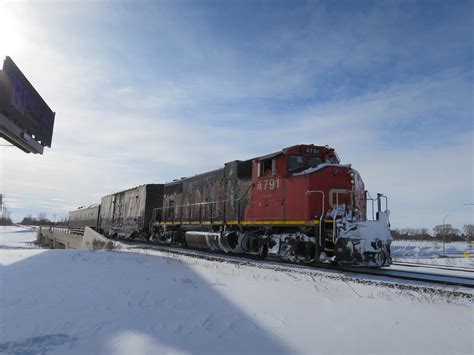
{"x":269,"y":184}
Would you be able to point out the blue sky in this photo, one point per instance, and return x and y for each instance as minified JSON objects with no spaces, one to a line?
{"x":150,"y":91}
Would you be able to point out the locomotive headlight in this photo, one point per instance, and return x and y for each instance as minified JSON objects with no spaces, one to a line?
{"x":352,"y":182}
{"x":377,"y":244}
{"x":352,"y":174}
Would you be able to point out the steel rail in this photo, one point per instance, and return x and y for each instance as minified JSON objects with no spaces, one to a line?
{"x":452,"y":280}
{"x":433,"y":266}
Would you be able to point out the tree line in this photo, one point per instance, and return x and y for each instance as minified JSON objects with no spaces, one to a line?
{"x":440,"y":232}
{"x":43,"y":220}
{"x":5,"y":221}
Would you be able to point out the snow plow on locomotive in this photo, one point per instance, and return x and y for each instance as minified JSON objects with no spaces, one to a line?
{"x":299,"y":204}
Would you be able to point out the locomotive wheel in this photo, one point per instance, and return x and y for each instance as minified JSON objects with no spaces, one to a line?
{"x":260,"y":256}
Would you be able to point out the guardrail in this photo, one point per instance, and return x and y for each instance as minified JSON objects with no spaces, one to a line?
{"x":65,"y":230}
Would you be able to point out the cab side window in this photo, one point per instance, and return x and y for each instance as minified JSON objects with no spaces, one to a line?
{"x":266,"y":168}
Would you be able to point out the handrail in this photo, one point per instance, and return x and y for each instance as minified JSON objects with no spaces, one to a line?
{"x":322,"y":212}
{"x":200,"y":204}
{"x":189,"y":206}
{"x":378,"y":200}
{"x":346,"y":192}
{"x":372,"y":200}
{"x":386,"y":201}
{"x":67,"y":230}
{"x":334,"y":220}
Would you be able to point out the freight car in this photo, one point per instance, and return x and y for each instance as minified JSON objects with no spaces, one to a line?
{"x":85,"y":216}
{"x":122,"y":214}
{"x":128,"y":213}
{"x":299,"y":204}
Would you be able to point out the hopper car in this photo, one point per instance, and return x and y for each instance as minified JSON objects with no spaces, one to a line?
{"x":84,"y":216}
{"x":128,"y":213}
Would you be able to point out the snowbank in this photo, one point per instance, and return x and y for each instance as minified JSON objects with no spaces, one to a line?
{"x":20,"y":237}
{"x":85,"y":302}
{"x":433,"y":252}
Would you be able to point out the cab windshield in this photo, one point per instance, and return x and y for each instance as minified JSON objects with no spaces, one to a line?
{"x":314,"y":161}
{"x":295,"y":162}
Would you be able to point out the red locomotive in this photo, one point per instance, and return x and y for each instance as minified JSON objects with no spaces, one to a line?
{"x":299,"y":204}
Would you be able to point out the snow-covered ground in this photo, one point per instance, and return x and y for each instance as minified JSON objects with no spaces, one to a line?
{"x":85,"y":302}
{"x":19,"y":237}
{"x":428,"y":252}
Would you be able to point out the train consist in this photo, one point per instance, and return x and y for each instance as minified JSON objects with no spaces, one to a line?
{"x":299,"y":204}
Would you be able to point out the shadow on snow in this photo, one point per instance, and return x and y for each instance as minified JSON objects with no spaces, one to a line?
{"x":102,"y":302}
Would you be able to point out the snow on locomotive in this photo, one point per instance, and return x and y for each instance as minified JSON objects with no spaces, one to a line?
{"x":299,"y":204}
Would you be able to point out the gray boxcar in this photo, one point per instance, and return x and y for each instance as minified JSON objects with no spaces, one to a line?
{"x":128,"y":213}
{"x":85,"y":217}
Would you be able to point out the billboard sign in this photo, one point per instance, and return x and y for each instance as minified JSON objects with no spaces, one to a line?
{"x":21,"y":104}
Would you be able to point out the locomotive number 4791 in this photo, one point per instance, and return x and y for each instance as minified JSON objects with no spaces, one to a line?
{"x":270,"y":184}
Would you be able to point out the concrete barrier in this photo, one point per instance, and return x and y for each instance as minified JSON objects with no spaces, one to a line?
{"x":57,"y":238}
{"x":94,"y":240}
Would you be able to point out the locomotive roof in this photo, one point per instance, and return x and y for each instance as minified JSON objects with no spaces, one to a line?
{"x":178,"y":181}
{"x":285,"y":150}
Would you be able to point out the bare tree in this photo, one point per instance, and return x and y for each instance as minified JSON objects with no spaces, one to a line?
{"x":5,"y":219}
{"x":411,"y":234}
{"x":446,"y":231}
{"x":469,"y":231}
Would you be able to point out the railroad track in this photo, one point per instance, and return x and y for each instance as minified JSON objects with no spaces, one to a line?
{"x":451,"y":280}
{"x":438,"y":267}
{"x":382,"y":274}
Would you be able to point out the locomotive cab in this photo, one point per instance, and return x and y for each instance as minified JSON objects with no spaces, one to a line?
{"x":302,"y":185}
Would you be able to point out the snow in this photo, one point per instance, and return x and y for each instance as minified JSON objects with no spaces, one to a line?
{"x":85,"y":302}
{"x":320,"y":167}
{"x":459,"y":254}
{"x":455,"y":262}
{"x":19,"y":237}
